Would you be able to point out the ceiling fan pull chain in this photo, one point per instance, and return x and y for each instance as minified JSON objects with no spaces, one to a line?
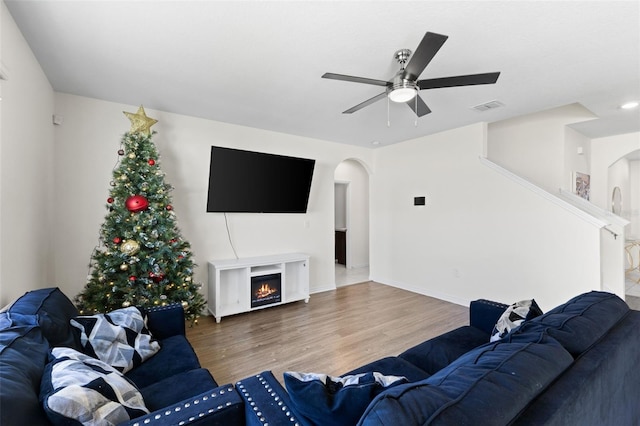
{"x":415,"y":123}
{"x":388,"y":116}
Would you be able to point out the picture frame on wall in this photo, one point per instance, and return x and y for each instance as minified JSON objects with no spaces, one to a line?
{"x":582,"y":185}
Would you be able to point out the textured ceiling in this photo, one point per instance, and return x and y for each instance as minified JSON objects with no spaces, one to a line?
{"x":258,"y":63}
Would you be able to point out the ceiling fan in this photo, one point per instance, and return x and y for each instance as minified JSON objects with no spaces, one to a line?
{"x":404,"y":86}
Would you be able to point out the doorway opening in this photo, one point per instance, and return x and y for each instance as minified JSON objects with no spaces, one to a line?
{"x":351,"y":220}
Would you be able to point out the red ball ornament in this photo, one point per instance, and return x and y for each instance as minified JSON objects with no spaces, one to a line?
{"x":132,"y":278}
{"x":152,"y":162}
{"x":156,"y":277}
{"x":117,"y":240}
{"x":110,"y":200}
{"x":169,"y":207}
{"x":136,"y":203}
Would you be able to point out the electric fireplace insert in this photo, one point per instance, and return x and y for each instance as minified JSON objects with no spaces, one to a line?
{"x":266,"y":290}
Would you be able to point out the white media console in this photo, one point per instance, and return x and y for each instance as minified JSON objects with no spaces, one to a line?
{"x":230,"y":281}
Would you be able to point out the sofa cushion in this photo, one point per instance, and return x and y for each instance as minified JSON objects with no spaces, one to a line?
{"x":392,"y":366}
{"x":175,"y":356}
{"x":514,"y":316}
{"x":120,"y":338}
{"x":579,"y":323}
{"x":80,"y":388}
{"x":490,"y":385}
{"x":23,"y":355}
{"x":335,"y":401}
{"x":177,"y":388}
{"x":435,"y":354}
{"x":54,"y":310}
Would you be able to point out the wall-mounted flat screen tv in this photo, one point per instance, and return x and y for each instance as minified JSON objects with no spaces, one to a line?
{"x":256,"y":182}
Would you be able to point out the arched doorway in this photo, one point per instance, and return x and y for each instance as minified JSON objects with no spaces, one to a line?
{"x":623,"y":185}
{"x":351,"y":220}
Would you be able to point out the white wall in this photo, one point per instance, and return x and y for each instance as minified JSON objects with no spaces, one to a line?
{"x":86,"y":152}
{"x":358,"y":210}
{"x":26,"y":167}
{"x":533,"y":146}
{"x":480,"y":235}
{"x":340,"y":207}
{"x":575,"y":142}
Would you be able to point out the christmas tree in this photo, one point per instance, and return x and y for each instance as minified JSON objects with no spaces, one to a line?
{"x":142,"y":259}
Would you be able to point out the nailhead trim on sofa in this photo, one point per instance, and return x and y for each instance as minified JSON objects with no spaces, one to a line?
{"x":261,"y":399}
{"x":178,"y":410}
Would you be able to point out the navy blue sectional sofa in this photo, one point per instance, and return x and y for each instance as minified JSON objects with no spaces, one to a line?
{"x":173,"y":385}
{"x":578,"y":364}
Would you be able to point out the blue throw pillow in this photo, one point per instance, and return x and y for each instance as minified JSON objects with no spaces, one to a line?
{"x":119,"y":338}
{"x":23,"y":355}
{"x":53,"y":310}
{"x":335,"y":401}
{"x":77,"y":388}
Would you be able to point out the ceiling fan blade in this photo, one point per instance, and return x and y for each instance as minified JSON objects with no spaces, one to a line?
{"x":366,"y":103}
{"x":460,"y":80}
{"x":351,"y":78}
{"x":426,"y":50}
{"x":423,"y":109}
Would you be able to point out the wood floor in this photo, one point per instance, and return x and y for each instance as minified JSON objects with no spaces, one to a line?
{"x":335,"y":332}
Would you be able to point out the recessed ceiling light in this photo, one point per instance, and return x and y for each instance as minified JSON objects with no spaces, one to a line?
{"x":630,"y":105}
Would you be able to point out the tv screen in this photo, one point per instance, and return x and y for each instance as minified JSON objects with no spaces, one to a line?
{"x":255,"y":182}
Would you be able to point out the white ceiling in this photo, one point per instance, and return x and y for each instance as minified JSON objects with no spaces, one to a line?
{"x":258,"y":63}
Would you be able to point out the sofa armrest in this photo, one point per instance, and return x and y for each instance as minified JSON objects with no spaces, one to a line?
{"x":483,"y":314}
{"x":165,"y":321}
{"x":267,"y":402}
{"x":220,"y":406}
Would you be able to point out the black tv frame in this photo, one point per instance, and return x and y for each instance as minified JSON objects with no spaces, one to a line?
{"x":242,"y":181}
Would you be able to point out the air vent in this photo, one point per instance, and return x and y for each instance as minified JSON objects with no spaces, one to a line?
{"x":488,"y":105}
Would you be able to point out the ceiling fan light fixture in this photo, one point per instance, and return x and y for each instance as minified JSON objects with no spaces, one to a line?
{"x":630,"y":105}
{"x":402,"y":94}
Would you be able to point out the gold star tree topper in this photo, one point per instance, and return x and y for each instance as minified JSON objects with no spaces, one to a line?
{"x":140,"y":123}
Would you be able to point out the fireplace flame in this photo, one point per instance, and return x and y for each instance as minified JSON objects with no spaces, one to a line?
{"x":265,"y":290}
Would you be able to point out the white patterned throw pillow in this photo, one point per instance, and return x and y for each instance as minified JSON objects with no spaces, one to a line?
{"x":79,"y":387}
{"x":119,"y":338}
{"x":513,"y":316}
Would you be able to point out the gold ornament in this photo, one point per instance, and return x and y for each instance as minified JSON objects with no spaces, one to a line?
{"x":124,"y":267}
{"x":132,"y":156}
{"x":185,"y":305}
{"x":140,"y":123}
{"x":126,"y":304}
{"x":130,"y":247}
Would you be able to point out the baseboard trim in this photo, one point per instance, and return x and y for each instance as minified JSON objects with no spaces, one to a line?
{"x":322,"y":289}
{"x":435,"y":294}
